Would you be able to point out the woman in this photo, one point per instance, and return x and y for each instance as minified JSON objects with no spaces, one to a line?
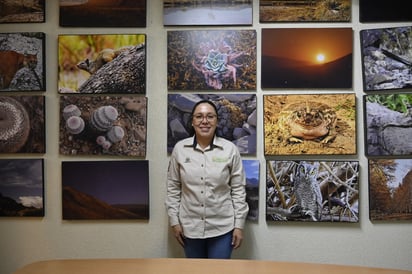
{"x":206,"y":196}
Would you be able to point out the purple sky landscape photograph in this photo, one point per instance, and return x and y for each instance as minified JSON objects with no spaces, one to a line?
{"x":105,"y":190}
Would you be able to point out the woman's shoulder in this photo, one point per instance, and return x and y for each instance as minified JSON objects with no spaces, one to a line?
{"x":223,"y":142}
{"x":184,"y":142}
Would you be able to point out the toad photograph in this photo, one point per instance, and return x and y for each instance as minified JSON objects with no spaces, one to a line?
{"x":311,"y":124}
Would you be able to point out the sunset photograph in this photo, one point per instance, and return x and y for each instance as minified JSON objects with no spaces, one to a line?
{"x":102,"y":13}
{"x":307,"y":58}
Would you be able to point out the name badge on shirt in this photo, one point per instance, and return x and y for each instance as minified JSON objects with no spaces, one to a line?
{"x":220,"y":159}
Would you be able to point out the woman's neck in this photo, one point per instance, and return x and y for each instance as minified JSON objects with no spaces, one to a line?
{"x":204,"y":142}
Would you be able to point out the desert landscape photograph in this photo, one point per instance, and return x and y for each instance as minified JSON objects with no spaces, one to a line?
{"x":21,"y":188}
{"x":305,"y":11}
{"x":105,"y":190}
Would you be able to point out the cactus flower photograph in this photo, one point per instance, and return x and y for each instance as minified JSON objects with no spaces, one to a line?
{"x":211,"y":60}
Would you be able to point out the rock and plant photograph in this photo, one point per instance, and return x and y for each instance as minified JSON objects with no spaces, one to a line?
{"x":237,"y":118}
{"x":102,"y":63}
{"x":388,"y":124}
{"x":386,"y":58}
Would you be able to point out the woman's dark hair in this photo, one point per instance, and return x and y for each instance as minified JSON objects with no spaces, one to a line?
{"x":203,"y":102}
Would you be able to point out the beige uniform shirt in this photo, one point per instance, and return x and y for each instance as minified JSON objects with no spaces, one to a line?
{"x":206,"y":189}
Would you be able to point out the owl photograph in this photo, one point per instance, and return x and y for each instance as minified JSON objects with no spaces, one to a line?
{"x":312,"y":191}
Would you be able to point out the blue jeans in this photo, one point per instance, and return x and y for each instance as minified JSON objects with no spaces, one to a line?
{"x":219,"y":247}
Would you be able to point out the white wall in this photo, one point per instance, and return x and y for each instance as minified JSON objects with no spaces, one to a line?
{"x":25,"y":240}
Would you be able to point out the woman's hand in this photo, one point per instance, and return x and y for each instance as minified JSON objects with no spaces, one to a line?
{"x":178,"y":232}
{"x":237,"y":238}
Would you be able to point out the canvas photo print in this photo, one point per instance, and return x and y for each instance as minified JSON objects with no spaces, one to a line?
{"x":21,"y":188}
{"x":252,"y":173}
{"x":102,"y":63}
{"x":390,"y":188}
{"x":215,"y":12}
{"x":105,"y":190}
{"x":380,"y":11}
{"x":211,"y":60}
{"x":386,"y":58}
{"x":304,"y":11}
{"x":312,"y":191}
{"x":22,"y":124}
{"x":309,"y":124}
{"x":22,"y":66}
{"x":102,"y":13}
{"x":16,"y":11}
{"x":307,"y":58}
{"x":103,"y":125}
{"x":388,"y":124}
{"x":237,"y":118}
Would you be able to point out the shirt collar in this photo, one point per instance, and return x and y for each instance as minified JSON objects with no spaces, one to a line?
{"x":216,"y":143}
